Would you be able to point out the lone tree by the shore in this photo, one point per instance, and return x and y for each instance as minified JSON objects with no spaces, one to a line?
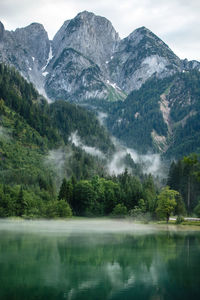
{"x":166,"y":202}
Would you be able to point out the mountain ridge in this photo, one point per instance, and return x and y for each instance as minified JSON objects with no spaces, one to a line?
{"x":123,"y":64}
{"x":88,"y":63}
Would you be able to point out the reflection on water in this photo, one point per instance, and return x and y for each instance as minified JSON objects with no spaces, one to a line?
{"x":97,"y":260}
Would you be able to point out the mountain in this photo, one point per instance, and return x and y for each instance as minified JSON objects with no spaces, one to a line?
{"x":33,"y":132}
{"x":138,"y":57}
{"x":88,"y":63}
{"x":87,"y":59}
{"x":162,"y":116}
{"x":27,"y":50}
{"x":41,"y":143}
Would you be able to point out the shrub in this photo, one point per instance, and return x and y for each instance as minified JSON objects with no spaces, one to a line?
{"x":119,"y":210}
{"x":179,"y":220}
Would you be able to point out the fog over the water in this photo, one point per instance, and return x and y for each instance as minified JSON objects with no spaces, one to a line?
{"x":80,"y":226}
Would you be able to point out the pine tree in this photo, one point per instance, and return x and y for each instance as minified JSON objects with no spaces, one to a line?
{"x":20,"y":203}
{"x":66,"y":191}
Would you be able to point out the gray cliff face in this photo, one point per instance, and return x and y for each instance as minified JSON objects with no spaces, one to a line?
{"x":81,"y":50}
{"x":74,"y":77}
{"x":27,"y":49}
{"x":87,"y":59}
{"x":190,"y":65}
{"x":140,"y":56}
{"x":1,"y":32}
{"x":92,"y":35}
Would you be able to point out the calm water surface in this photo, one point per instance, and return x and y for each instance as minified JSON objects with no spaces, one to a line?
{"x":97,"y":259}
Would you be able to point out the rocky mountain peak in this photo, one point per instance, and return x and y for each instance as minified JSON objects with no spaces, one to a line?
{"x":142,"y":31}
{"x":85,"y":15}
{"x":1,"y":31}
{"x":87,"y":59}
{"x":35,"y":40}
{"x":138,"y":57}
{"x":92,"y":35}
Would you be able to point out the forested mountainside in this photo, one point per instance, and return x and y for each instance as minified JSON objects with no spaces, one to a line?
{"x":163,"y":116}
{"x":37,"y":151}
{"x":34,"y":147}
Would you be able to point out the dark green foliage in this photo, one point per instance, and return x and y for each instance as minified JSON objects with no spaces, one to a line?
{"x":84,"y":198}
{"x":119,"y":210}
{"x":69,"y":118}
{"x":179,"y":219}
{"x":133,"y":120}
{"x":183,"y":177}
{"x":197,"y":210}
{"x":166,"y":203}
{"x":20,"y":96}
{"x":180,"y":206}
{"x":29,"y":128}
{"x":55,"y":209}
{"x":66,"y":191}
{"x":103,"y":196}
{"x":20,"y":203}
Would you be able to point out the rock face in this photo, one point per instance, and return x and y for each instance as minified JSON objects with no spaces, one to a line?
{"x":87,"y":59}
{"x":27,"y":49}
{"x":73,"y":76}
{"x":78,"y":69}
{"x":92,"y":35}
{"x":162,"y":116}
{"x":1,"y":32}
{"x":138,"y":57}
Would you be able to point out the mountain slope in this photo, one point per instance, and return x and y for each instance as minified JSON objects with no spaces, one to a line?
{"x":163,"y":115}
{"x":138,"y":57}
{"x":36,"y":130}
{"x":27,"y":49}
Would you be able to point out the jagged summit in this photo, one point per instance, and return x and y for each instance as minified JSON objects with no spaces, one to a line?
{"x":85,"y":14}
{"x":92,"y":35}
{"x":87,"y":59}
{"x":138,"y":57}
{"x":1,"y":31}
{"x":35,"y":25}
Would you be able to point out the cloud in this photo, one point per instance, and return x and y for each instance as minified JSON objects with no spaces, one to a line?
{"x":76,"y":140}
{"x":177,"y":22}
{"x":150,"y":163}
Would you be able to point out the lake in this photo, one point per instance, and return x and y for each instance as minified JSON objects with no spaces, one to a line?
{"x":98,"y":259}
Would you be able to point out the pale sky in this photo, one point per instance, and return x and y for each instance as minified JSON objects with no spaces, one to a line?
{"x":176,"y":22}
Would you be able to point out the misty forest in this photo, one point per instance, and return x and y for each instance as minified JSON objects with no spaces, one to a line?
{"x":46,"y":171}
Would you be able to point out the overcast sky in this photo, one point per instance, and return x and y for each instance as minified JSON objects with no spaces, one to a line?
{"x":176,"y":22}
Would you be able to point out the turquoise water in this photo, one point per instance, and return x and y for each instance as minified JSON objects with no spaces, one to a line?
{"x":97,"y":260}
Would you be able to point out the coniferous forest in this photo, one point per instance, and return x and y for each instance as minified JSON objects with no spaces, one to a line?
{"x":44,"y":174}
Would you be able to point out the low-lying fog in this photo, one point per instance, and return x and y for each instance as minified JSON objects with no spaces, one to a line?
{"x":82,"y":226}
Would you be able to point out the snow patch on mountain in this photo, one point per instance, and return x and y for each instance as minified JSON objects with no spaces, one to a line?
{"x":49,"y":58}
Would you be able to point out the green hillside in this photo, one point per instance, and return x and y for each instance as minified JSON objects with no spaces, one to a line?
{"x":162,"y":116}
{"x":35,"y":153}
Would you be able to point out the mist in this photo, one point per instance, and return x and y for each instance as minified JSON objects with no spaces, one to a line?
{"x":115,"y":165}
{"x":150,"y":163}
{"x":76,"y":140}
{"x":62,"y":227}
{"x":101,"y":116}
{"x":56,"y":160}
